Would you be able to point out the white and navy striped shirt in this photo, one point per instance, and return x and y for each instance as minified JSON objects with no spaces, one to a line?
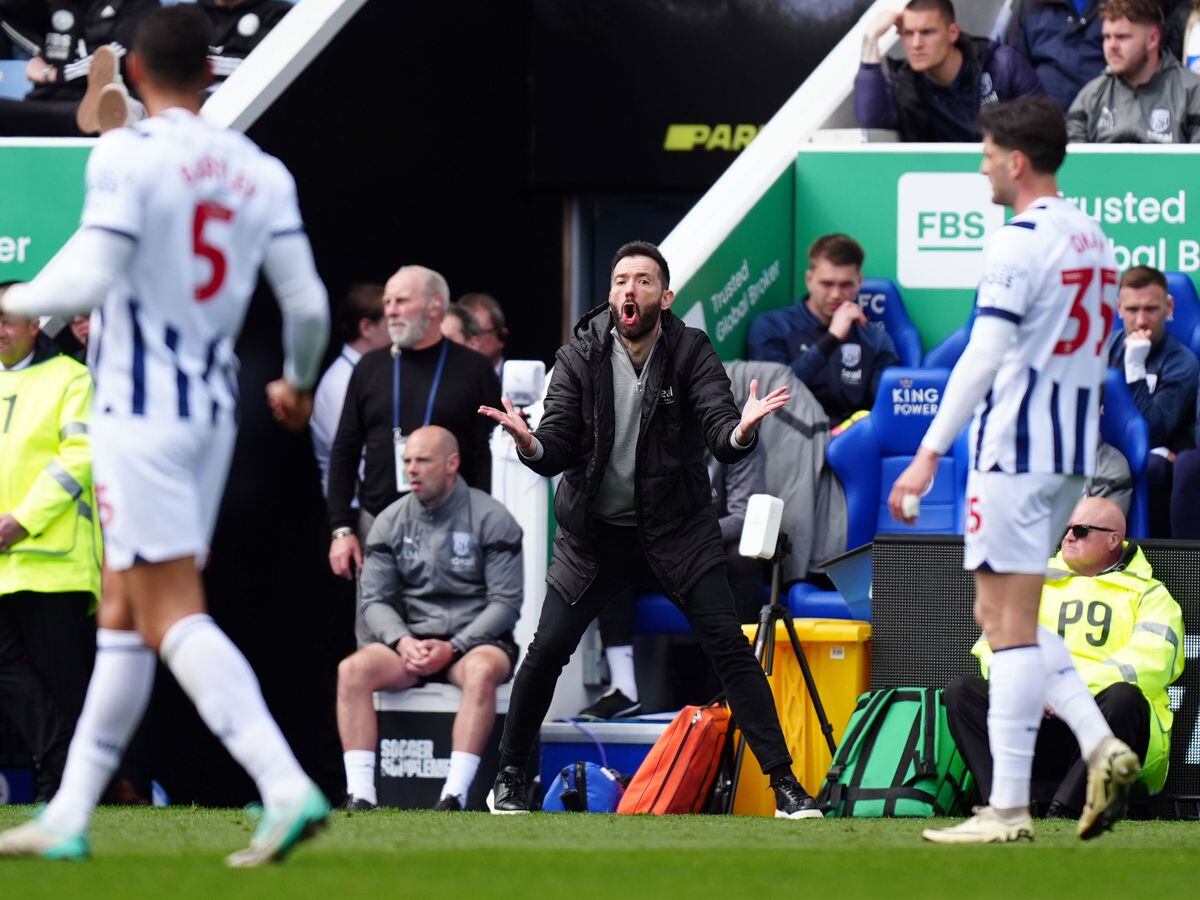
{"x":1051,"y":271}
{"x":202,"y":203}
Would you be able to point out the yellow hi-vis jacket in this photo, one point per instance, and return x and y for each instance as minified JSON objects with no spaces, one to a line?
{"x":46,"y":477}
{"x":1120,"y":625}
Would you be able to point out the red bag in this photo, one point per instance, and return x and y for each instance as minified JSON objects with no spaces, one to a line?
{"x":678,"y":774}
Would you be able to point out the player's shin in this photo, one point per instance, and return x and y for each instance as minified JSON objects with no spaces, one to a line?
{"x":1068,"y":696}
{"x":220,"y":682}
{"x":118,"y":692}
{"x":1016,"y":691}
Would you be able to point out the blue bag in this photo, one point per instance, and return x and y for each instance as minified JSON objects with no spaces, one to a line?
{"x":584,"y":787}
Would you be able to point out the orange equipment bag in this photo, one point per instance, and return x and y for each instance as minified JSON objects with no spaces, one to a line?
{"x":678,"y":774}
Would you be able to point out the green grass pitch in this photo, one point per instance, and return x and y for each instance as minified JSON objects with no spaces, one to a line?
{"x":176,"y":853}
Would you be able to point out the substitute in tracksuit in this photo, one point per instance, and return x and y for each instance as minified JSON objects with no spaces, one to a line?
{"x":1145,"y":95}
{"x":440,"y":591}
{"x":1124,"y":632}
{"x":50,"y":547}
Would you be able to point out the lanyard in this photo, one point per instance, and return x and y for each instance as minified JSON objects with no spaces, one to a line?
{"x":437,"y":380}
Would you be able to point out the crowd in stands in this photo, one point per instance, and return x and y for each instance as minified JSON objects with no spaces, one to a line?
{"x":75,"y":52}
{"x":1115,"y":68}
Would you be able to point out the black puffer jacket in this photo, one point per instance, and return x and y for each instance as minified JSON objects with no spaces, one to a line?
{"x":687,"y":406}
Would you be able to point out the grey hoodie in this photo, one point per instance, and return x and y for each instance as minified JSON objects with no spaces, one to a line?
{"x":1164,"y":110}
{"x":453,"y":571}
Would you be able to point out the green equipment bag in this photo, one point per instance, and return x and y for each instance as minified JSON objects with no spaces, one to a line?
{"x":897,"y":758}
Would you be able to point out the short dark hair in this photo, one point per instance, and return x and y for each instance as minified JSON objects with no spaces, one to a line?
{"x":1141,"y":12}
{"x":1033,"y":125}
{"x":172,"y":44}
{"x":945,"y":7}
{"x":839,"y":249}
{"x":362,"y":301}
{"x":479,"y":300}
{"x":470,"y":326}
{"x":643,"y":248}
{"x":1144,"y":276}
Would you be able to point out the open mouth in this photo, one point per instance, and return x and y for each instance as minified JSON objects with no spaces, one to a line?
{"x":629,"y":313}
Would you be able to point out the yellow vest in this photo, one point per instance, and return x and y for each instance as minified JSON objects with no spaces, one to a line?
{"x":1120,"y":625}
{"x":46,"y":478}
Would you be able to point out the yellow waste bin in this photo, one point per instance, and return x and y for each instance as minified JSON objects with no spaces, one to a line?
{"x":839,"y":655}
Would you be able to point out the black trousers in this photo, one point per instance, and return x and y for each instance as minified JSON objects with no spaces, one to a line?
{"x":1059,"y":774}
{"x":38,"y":118}
{"x":47,"y":647}
{"x":710,"y":611}
{"x":746,"y":578}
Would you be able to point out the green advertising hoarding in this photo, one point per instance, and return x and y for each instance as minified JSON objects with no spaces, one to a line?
{"x":923,"y":213}
{"x":749,"y":272}
{"x":41,"y":196}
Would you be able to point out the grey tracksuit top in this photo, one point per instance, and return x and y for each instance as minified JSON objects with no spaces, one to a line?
{"x":452,"y":572}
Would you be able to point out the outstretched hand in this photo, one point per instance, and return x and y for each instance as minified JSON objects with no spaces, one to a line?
{"x":757,"y":409}
{"x":512,"y":422}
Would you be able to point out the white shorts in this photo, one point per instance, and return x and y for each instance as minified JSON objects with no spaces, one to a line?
{"x":1015,"y":522}
{"x":158,"y":486}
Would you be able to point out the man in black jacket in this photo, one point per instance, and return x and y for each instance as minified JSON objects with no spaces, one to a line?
{"x":635,"y":399}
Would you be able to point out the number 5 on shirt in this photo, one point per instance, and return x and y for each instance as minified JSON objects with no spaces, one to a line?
{"x":201,"y":246}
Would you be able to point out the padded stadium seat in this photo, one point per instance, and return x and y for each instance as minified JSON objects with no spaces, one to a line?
{"x":871,"y":455}
{"x":1185,"y":323}
{"x":13,"y":83}
{"x":946,"y":354}
{"x":881,"y":301}
{"x":1122,"y":426}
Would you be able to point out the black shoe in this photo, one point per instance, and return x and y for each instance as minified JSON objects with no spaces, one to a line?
{"x":793,"y":802}
{"x":449,"y":803}
{"x":613,"y":705}
{"x":1057,"y":810}
{"x":508,"y":795}
{"x":357,"y":803}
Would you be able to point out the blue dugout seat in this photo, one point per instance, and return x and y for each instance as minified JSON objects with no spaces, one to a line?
{"x":1122,"y":426}
{"x":1185,"y":323}
{"x":13,"y":83}
{"x":881,"y":301}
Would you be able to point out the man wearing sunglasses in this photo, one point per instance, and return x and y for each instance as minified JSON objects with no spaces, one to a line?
{"x":1125,"y":635}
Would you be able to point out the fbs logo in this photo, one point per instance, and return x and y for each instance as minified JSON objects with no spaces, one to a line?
{"x":942,"y":219}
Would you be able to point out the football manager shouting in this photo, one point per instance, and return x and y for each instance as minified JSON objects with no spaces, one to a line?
{"x":635,"y":398}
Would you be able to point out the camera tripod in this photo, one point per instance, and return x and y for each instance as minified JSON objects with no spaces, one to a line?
{"x":764,"y":650}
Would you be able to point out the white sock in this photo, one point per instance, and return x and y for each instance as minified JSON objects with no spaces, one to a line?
{"x":1016,"y":695}
{"x":116,"y":701}
{"x":216,"y":676}
{"x":463,"y":767}
{"x":360,"y":774}
{"x":1068,"y":695}
{"x":620,"y":669}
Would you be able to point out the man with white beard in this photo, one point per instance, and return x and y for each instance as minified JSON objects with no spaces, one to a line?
{"x":421,"y":379}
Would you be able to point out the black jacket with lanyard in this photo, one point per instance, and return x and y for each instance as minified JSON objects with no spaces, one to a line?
{"x":687,"y":406}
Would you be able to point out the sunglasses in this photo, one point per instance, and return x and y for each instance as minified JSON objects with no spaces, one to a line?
{"x":1082,"y":531}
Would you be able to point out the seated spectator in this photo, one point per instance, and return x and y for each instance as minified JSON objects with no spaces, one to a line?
{"x":936,"y":93}
{"x":1061,"y":40}
{"x":493,"y":333}
{"x":360,"y":316}
{"x":1124,"y":632}
{"x":1177,"y":13}
{"x":1162,"y":375}
{"x":237,"y":28}
{"x":1145,"y":95}
{"x":732,"y":486}
{"x":459,"y":325}
{"x":77,"y":50}
{"x":441,"y":590}
{"x":825,"y":337}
